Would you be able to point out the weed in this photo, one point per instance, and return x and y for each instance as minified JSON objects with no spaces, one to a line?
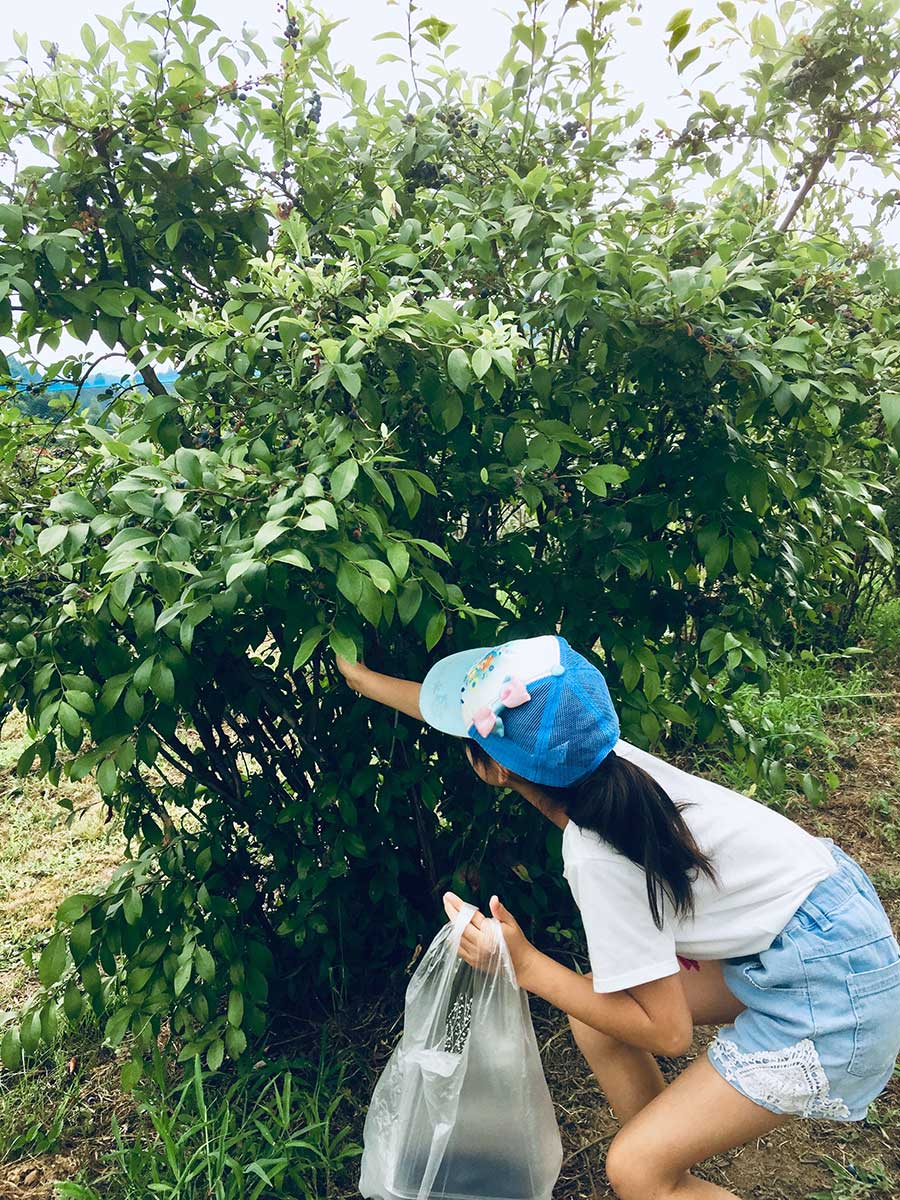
{"x":869,"y":1181}
{"x":272,"y":1129}
{"x":883,"y":630}
{"x":817,"y":707}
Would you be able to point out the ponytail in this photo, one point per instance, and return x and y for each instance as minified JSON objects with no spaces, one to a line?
{"x":629,"y":810}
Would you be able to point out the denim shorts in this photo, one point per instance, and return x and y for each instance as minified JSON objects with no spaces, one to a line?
{"x":821,"y":1029}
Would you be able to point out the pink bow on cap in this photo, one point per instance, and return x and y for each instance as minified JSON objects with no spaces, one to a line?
{"x":512,"y":693}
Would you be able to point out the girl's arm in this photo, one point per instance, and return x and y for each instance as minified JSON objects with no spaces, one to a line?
{"x":386,"y":689}
{"x":654,"y":1016}
{"x":659,"y":1022}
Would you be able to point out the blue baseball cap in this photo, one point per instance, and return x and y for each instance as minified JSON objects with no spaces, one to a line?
{"x":558,"y":722}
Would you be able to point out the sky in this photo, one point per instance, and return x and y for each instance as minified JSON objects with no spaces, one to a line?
{"x":641,"y":65}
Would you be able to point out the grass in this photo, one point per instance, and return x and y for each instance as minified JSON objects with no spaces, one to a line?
{"x":274,"y":1129}
{"x":818,"y":707}
{"x":864,"y":1181}
{"x":883,"y":631}
{"x":46,"y":853}
{"x":278,"y":1128}
{"x":54,"y":1092}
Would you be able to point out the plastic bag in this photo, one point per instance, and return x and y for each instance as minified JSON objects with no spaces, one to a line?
{"x":462,"y":1110}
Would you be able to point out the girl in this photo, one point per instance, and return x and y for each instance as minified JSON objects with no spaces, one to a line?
{"x":787,"y":944}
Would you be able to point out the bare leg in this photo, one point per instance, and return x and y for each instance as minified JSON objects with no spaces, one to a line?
{"x":628,"y":1076}
{"x":696,"y":1116}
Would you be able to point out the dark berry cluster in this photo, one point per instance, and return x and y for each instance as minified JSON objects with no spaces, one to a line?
{"x":455,"y":120}
{"x":234,"y":94}
{"x":314,"y":112}
{"x":693,"y":138}
{"x":292,"y":31}
{"x":568,"y":132}
{"x":426,"y":174}
{"x":814,"y":75}
{"x":208,"y":438}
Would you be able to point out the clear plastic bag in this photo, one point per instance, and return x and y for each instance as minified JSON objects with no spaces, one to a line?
{"x":462,"y":1110}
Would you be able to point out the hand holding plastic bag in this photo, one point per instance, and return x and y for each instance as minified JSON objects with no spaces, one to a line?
{"x":478,"y":949}
{"x":462,"y":1110}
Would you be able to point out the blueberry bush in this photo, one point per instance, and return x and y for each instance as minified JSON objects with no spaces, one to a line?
{"x":458,"y":360}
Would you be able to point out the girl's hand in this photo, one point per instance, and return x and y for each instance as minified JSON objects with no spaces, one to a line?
{"x":350,"y":671}
{"x":476,"y":948}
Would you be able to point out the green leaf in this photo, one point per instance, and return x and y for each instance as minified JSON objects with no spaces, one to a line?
{"x":349,"y":377}
{"x":73,"y":504}
{"x":235,"y":1007}
{"x":30,"y":1031}
{"x":687,"y":58}
{"x":162,"y":682}
{"x":596,"y":479}
{"x":812,"y":789}
{"x":349,"y":581}
{"x":343,"y":477}
{"x":534,"y":181}
{"x":408,"y":601}
{"x":451,"y":411}
{"x":481,"y":362}
{"x":80,"y":939}
{"x":681,"y":17}
{"x":308,"y":643}
{"x":173,"y":234}
{"x":398,"y":557}
{"x":182,"y":977}
{"x":143,"y":675}
{"x":130,"y":1074}
{"x":343,"y":645}
{"x":458,"y":368}
{"x":631,"y":673}
{"x":69,"y":719}
{"x":795,"y":344}
{"x":235,"y":1042}
{"x":53,"y":960}
{"x":382,"y":575}
{"x":742,"y":560}
{"x":11,"y":1049}
{"x":717,"y":556}
{"x":51,"y":537}
{"x":90,"y":977}
{"x":267,"y":533}
{"x":188,"y":464}
{"x":294,"y":558}
{"x":73,"y":907}
{"x":205,"y":964}
{"x":117,"y":1025}
{"x":132,"y":906}
{"x":890,"y":408}
{"x":215,"y":1054}
{"x":325,"y":510}
{"x":73,"y":1001}
{"x":435,"y":629}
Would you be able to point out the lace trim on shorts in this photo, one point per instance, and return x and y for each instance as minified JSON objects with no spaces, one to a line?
{"x":790,"y":1080}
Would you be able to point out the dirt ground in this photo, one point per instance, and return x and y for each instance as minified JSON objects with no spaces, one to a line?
{"x":825,"y":1160}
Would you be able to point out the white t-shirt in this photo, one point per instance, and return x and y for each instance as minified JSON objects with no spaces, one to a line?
{"x":766,"y":866}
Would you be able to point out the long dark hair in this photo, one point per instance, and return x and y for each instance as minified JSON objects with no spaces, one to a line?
{"x":628,"y":809}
